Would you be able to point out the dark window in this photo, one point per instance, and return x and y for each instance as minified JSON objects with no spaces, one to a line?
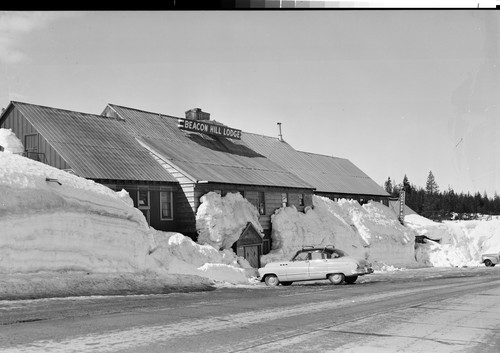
{"x":143,"y":197}
{"x":284,"y":199}
{"x":166,"y":206}
{"x":143,"y":203}
{"x":262,"y":203}
{"x":301,"y":199}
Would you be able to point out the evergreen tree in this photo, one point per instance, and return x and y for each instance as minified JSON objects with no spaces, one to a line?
{"x":388,"y":186}
{"x":406,"y":185}
{"x":431,"y":198}
{"x":431,"y":186}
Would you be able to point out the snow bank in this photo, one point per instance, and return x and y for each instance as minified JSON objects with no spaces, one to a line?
{"x":60,"y":232}
{"x":221,"y":220}
{"x":66,"y":224}
{"x":180,"y":255}
{"x":371,"y":231}
{"x":389,"y":242}
{"x":461,"y":243}
{"x":9,"y":142}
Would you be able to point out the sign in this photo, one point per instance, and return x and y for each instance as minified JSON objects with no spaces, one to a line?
{"x":207,"y":128}
{"x":402,"y":206}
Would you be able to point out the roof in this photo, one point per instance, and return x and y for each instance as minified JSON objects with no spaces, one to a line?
{"x":326,"y":173}
{"x":96,"y":147}
{"x":203,"y":157}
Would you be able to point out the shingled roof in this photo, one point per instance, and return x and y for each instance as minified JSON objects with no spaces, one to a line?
{"x":327,"y":174}
{"x":96,"y":147}
{"x":203,"y":157}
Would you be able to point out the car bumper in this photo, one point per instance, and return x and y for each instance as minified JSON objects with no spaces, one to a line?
{"x":363,"y":271}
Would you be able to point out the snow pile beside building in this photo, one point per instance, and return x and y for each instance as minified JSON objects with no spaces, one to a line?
{"x":389,"y":242}
{"x":458,"y":243}
{"x":220,"y":220}
{"x":54,"y":221}
{"x":180,"y":255}
{"x":371,"y":231}
{"x":10,"y":142}
{"x":60,"y":232}
{"x":324,"y":225}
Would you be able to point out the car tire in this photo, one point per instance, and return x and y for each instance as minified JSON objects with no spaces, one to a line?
{"x":286,"y":283}
{"x":271,"y":280}
{"x":488,"y":263}
{"x":350,"y":279}
{"x":336,"y":278}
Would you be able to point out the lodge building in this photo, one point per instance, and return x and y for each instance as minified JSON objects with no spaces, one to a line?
{"x":167,"y":163}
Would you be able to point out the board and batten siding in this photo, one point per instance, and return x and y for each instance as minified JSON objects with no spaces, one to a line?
{"x":21,"y":127}
{"x":185,"y":201}
{"x":272,"y":198}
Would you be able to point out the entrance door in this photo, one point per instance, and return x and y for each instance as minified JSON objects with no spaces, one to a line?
{"x":252,"y":255}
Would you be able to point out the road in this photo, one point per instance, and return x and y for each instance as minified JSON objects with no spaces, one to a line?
{"x":456,"y":310}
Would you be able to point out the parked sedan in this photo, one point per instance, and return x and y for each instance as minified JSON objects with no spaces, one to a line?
{"x":312,"y":263}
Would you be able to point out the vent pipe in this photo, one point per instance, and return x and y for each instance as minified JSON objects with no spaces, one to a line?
{"x":280,"y":136}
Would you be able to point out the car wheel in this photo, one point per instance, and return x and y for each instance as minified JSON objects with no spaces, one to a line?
{"x":271,"y":280}
{"x":336,"y":278}
{"x":350,"y":279}
{"x":488,"y":263}
{"x":286,"y":283}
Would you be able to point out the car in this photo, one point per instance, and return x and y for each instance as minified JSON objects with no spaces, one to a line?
{"x":315,"y":263}
{"x":490,"y":260}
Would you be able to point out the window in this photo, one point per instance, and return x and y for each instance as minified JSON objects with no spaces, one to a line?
{"x":284,"y":199}
{"x":143,"y":198}
{"x":303,"y":256}
{"x":262,"y":203}
{"x":143,"y":203}
{"x":166,"y":206}
{"x":301,"y":199}
{"x":31,"y":142}
{"x":317,"y":255}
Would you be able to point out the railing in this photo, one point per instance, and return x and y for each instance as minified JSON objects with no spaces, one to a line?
{"x":37,"y":156}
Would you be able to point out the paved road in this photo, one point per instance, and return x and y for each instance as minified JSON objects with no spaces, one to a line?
{"x":446,"y":311}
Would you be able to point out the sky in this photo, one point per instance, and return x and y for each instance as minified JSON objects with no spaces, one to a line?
{"x":397,"y":92}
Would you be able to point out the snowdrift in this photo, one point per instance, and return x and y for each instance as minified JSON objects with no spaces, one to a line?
{"x":61,"y":235}
{"x":371,"y":232}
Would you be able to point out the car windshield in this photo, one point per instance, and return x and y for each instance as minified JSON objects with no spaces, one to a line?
{"x":301,"y":256}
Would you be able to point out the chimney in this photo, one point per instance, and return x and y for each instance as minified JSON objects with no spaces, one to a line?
{"x":197,"y":114}
{"x":280,"y":136}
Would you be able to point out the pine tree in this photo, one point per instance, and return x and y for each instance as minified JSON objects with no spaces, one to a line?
{"x":431,"y":198}
{"x":431,"y":186}
{"x":406,"y":185}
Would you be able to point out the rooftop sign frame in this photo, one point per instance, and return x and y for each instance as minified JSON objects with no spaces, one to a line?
{"x":208,"y":128}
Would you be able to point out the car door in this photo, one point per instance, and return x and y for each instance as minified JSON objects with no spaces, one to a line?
{"x":298,"y":269}
{"x":318,"y":265}
{"x":339,"y":264}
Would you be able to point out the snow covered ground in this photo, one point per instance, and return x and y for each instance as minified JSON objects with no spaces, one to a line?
{"x":68,"y":236}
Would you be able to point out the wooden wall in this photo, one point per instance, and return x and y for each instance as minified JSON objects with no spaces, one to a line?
{"x":272,"y":196}
{"x":21,"y":127}
{"x":154,"y":200}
